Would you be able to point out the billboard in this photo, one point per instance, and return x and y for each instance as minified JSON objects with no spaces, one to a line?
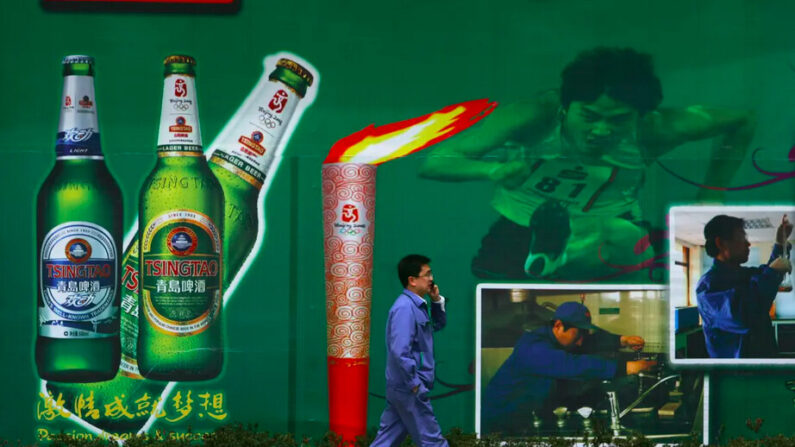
{"x":618,"y":130}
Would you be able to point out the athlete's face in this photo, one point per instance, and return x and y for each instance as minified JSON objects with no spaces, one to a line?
{"x":593,"y":128}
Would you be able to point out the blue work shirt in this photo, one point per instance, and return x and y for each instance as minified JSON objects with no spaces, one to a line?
{"x":734,"y":304}
{"x":525,"y":382}
{"x":409,"y":341}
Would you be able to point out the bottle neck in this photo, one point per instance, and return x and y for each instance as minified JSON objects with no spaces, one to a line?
{"x":78,"y":130}
{"x":181,"y":159}
{"x":88,"y":164}
{"x":248,"y":143}
{"x":179,"y":133}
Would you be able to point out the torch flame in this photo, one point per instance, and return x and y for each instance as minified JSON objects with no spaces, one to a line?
{"x":376,"y":145}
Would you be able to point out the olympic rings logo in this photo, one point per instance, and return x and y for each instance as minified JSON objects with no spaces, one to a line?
{"x":267,"y":121}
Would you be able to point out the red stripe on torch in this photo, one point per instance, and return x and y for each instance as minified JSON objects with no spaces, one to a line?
{"x":347,"y":384}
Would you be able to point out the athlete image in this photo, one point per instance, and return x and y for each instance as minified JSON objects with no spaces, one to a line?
{"x":568,"y":166}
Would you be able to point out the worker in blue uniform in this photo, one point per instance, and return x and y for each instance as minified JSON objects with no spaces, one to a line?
{"x":409,"y":359}
{"x":547,"y":363}
{"x":734,"y":302}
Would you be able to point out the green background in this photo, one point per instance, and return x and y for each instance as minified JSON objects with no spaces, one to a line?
{"x":379,"y":62}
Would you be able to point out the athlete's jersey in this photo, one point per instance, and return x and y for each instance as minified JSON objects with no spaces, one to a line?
{"x":605,"y":187}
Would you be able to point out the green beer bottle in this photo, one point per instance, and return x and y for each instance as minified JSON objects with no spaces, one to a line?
{"x":79,"y":235}
{"x":180,"y":244}
{"x":243,"y":153}
{"x":240,"y":156}
{"x":128,"y":382}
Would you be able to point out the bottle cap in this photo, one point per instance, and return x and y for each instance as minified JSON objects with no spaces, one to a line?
{"x":179,"y":59}
{"x":78,"y":59}
{"x":297,"y":69}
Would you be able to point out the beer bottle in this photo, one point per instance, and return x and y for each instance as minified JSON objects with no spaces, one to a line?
{"x":240,"y":157}
{"x":242,"y":154}
{"x":180,"y":244}
{"x":79,"y":235}
{"x":128,"y":381}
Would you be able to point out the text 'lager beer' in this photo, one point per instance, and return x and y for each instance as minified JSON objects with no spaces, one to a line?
{"x":244,"y":153}
{"x":180,"y":244}
{"x":78,"y":231}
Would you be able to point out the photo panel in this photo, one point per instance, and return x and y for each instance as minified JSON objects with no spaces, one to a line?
{"x":532,"y":379}
{"x":731,"y":297}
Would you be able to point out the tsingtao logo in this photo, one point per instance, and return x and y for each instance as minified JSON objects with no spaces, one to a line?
{"x":182,"y":241}
{"x":68,"y":101}
{"x":78,"y":250}
{"x":180,"y":125}
{"x":278,"y":101}
{"x":350,"y":213}
{"x":253,"y":143}
{"x":85,"y":102}
{"x":180,"y":88}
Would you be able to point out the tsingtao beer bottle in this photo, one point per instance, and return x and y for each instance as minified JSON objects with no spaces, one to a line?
{"x":180,"y":244}
{"x":79,"y":235}
{"x":244,"y":152}
{"x":240,"y":157}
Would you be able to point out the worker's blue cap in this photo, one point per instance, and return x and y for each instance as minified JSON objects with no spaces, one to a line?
{"x":574,"y":314}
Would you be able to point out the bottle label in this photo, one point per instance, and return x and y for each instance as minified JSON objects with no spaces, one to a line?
{"x":78,"y":133}
{"x":248,"y":148}
{"x":78,"y":282}
{"x":179,"y":117}
{"x":129,"y":312}
{"x":180,"y":272}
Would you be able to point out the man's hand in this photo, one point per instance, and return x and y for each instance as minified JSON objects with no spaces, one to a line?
{"x":415,"y":389}
{"x":636,"y":366}
{"x":781,"y":265}
{"x":783,"y":232}
{"x":434,"y":293}
{"x":510,"y":175}
{"x":633,"y":341}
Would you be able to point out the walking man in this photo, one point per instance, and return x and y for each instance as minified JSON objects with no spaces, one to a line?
{"x":409,"y":359}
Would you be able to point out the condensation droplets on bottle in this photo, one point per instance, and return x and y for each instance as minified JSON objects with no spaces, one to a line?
{"x":180,"y":251}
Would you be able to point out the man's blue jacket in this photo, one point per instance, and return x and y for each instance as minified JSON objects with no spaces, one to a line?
{"x":734,"y":303}
{"x":527,"y":379}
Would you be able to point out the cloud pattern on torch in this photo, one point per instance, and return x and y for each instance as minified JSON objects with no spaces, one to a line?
{"x":348,"y":190}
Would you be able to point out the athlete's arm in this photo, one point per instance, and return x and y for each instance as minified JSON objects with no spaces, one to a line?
{"x":465,"y":156}
{"x":731,"y":131}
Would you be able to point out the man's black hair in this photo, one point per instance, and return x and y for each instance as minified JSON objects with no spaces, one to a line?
{"x":411,"y":265}
{"x":723,"y":227}
{"x":622,"y":73}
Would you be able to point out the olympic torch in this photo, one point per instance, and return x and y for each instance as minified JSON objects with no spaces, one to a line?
{"x":348,"y":183}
